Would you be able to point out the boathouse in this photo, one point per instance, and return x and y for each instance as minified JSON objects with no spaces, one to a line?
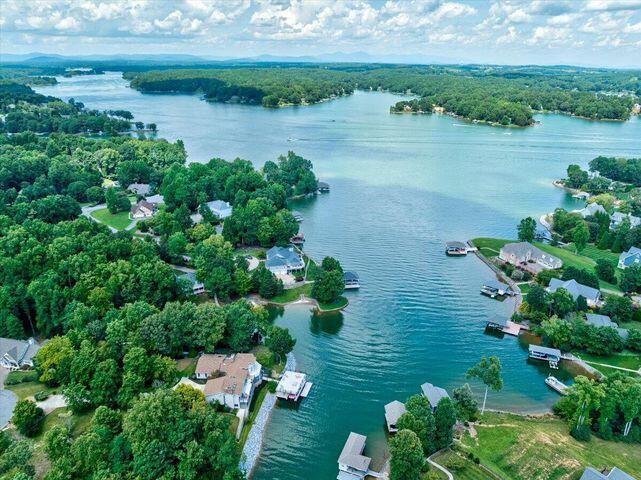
{"x":351,"y":280}
{"x":292,"y":386}
{"x":434,"y":394}
{"x":455,"y":248}
{"x":323,"y":187}
{"x":393,"y":412}
{"x":551,"y":355}
{"x":352,"y":464}
{"x":493,"y":288}
{"x":498,"y":323}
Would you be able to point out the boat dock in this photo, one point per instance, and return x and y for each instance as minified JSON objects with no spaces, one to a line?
{"x":458,"y":249}
{"x":505,"y":325}
{"x":556,"y":385}
{"x":551,"y":355}
{"x":293,"y":386}
{"x":351,"y":279}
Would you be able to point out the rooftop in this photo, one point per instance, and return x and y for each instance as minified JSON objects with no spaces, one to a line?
{"x":292,"y":382}
{"x":393,"y":411}
{"x":545,"y":350}
{"x":434,"y":394}
{"x":20,"y":351}
{"x":352,"y":454}
{"x":574,"y":288}
{"x":233,"y":367}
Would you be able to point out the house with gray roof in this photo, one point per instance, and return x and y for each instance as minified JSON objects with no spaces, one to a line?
{"x":528,"y":257}
{"x":220,"y":208}
{"x":15,"y":354}
{"x":603,"y":321}
{"x":352,"y":464}
{"x":393,"y":412}
{"x":618,"y":218}
{"x":590,"y":210}
{"x":629,"y":258}
{"x":576,"y":290}
{"x":434,"y":394}
{"x":196,"y":287}
{"x":140,"y":189}
{"x":615,"y":474}
{"x":283,"y":260}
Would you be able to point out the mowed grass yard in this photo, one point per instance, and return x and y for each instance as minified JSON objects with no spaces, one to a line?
{"x":520,"y":448}
{"x":119,"y":221}
{"x":490,"y":247}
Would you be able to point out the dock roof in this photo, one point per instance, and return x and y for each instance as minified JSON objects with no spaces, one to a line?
{"x":350,"y":276}
{"x":352,"y":454}
{"x":393,"y":411}
{"x":433,"y":393}
{"x":455,"y":245}
{"x":545,"y":350}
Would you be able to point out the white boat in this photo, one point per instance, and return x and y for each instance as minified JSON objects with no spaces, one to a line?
{"x":556,"y":385}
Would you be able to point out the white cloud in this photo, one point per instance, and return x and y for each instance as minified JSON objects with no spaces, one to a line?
{"x":601,"y":5}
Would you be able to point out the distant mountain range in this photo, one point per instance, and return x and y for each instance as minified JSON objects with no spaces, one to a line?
{"x":37,"y":58}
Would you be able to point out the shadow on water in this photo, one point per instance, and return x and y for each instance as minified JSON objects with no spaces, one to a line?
{"x":330,"y":323}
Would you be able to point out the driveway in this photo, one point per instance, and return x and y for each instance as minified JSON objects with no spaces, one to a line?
{"x":8,"y":400}
{"x":52,"y":403}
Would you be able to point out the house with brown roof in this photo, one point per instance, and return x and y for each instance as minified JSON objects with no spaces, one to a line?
{"x":231,"y":379}
{"x":142,"y":209}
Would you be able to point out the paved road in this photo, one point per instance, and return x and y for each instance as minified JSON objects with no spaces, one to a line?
{"x":8,"y":400}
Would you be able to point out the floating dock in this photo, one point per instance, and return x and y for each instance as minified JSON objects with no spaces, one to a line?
{"x":458,"y":249}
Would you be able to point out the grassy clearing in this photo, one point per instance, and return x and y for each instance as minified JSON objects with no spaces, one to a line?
{"x":186,"y":366}
{"x":119,"y":221}
{"x":490,"y":247}
{"x":292,"y":294}
{"x":28,"y":389}
{"x":625,"y":359}
{"x":461,"y":467}
{"x":521,"y":448}
{"x":77,"y":424}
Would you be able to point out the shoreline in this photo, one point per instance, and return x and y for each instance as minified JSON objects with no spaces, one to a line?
{"x":304,"y":300}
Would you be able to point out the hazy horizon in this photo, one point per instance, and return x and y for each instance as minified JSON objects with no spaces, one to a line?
{"x":596,"y":33}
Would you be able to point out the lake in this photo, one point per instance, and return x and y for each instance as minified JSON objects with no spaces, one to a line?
{"x":401,"y":186}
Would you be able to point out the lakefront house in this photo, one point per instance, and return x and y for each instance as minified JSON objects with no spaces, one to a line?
{"x":576,"y":290}
{"x":231,"y":379}
{"x":528,"y":257}
{"x":284,"y":260}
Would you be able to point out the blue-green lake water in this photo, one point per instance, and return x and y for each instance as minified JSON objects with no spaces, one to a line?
{"x":401,"y":186}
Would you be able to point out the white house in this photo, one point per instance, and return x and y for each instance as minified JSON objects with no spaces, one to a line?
{"x":231,"y":380}
{"x":15,"y":354}
{"x":283,"y":260}
{"x":576,"y":290}
{"x":629,"y":258}
{"x":142,"y":209}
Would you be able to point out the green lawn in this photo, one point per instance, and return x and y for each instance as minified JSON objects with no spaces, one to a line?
{"x":78,"y":424}
{"x":292,"y":294}
{"x":525,"y":287}
{"x":340,"y":303}
{"x":119,"y":221}
{"x":521,"y":448}
{"x":461,"y":466}
{"x":28,"y":389}
{"x":186,"y":366}
{"x":625,"y":359}
{"x":490,"y":247}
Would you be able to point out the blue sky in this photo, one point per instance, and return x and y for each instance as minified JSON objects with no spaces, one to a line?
{"x":582,"y":32}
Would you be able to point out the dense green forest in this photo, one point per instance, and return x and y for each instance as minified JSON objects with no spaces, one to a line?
{"x":494,"y":94}
{"x":114,"y":310}
{"x":25,"y":110}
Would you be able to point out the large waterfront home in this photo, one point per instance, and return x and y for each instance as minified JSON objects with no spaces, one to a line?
{"x":393,"y":412}
{"x":629,"y":258}
{"x":231,"y":379}
{"x":142,"y":209}
{"x":434,"y":394}
{"x":590,"y":210}
{"x":603,"y":321}
{"x":15,"y":354}
{"x":220,"y":208}
{"x":618,"y":218}
{"x":576,"y":290}
{"x":615,"y":474}
{"x":528,"y":257}
{"x":352,"y":464}
{"x":284,"y":260}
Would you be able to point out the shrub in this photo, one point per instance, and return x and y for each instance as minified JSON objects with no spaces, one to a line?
{"x":16,"y":377}
{"x":271,"y":387}
{"x":582,"y":433}
{"x":40,"y":396}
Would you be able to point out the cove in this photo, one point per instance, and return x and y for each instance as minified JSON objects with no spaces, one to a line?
{"x":402,"y":185}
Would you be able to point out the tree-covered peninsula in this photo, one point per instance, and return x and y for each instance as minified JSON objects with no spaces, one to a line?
{"x":497,"y":95}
